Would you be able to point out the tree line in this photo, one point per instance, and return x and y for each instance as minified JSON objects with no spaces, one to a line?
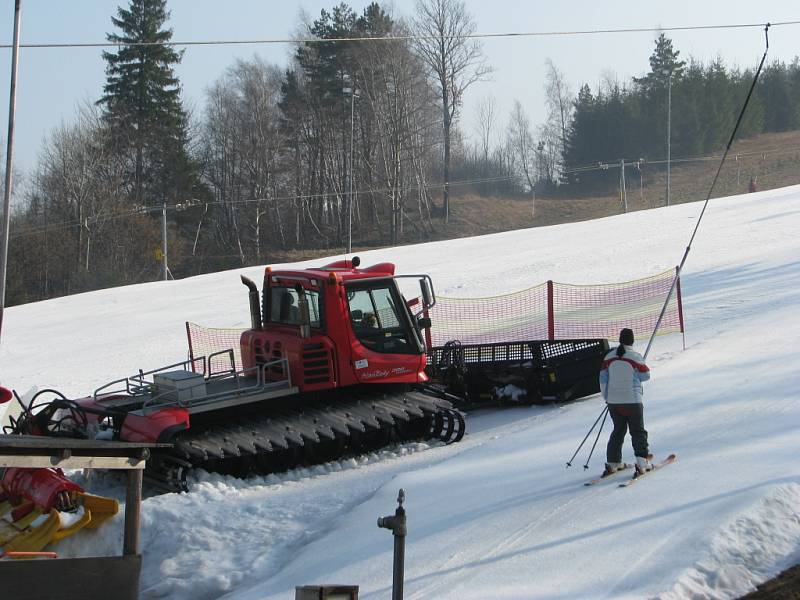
{"x":347,"y":139}
{"x":354,"y":143}
{"x":695,"y":104}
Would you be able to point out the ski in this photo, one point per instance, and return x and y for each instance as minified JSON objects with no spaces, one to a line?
{"x":602,"y":478}
{"x":667,"y":461}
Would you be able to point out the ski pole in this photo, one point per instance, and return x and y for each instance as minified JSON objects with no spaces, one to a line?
{"x":602,"y":414}
{"x":586,"y":466}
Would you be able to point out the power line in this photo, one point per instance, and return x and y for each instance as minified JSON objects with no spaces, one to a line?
{"x":101,"y":219}
{"x":400,"y":38}
{"x":598,"y":166}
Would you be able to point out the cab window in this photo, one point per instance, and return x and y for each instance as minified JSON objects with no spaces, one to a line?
{"x":285,"y":306}
{"x":376,"y":321}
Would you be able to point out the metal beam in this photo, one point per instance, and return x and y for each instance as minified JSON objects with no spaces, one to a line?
{"x":12,"y":106}
{"x":72,"y":462}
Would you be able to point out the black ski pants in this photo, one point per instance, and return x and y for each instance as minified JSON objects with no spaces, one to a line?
{"x":626,"y":417}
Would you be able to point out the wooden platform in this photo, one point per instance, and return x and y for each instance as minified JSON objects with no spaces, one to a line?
{"x":90,"y":578}
{"x":69,"y":453}
{"x":93,"y":578}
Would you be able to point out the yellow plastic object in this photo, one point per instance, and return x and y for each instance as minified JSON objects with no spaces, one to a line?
{"x":34,"y":540}
{"x":10,"y":530}
{"x":21,"y":536}
{"x":96,"y":511}
{"x":29,"y":518}
{"x":102,"y":508}
{"x":7,"y":532}
{"x":75,"y":527}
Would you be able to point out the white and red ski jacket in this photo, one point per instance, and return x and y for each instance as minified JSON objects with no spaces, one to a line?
{"x":621,"y":377}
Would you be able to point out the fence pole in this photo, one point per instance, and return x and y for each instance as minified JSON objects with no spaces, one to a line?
{"x":641,"y":182}
{"x":622,"y":191}
{"x":164,"y":238}
{"x":680,"y":305}
{"x":551,"y":320}
{"x":189,"y":339}
{"x":738,"y":172}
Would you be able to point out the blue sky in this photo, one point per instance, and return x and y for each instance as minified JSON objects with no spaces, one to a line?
{"x":53,"y":82}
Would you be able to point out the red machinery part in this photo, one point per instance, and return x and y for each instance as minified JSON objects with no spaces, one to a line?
{"x":40,"y":486}
{"x":158,"y":426}
{"x":5,"y":395}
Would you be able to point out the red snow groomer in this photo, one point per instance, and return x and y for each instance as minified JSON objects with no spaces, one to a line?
{"x":333,"y":365}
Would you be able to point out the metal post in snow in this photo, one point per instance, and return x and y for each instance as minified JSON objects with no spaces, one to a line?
{"x":669,"y":131}
{"x":164,"y":238}
{"x":397,"y":525}
{"x":12,"y":107}
{"x":622,"y":190}
{"x":738,"y":171}
{"x":641,"y":181}
{"x":88,"y":240}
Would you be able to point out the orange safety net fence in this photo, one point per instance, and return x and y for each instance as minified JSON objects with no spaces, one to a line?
{"x":554,"y":311}
{"x":205,"y":341}
{"x":548,"y":311}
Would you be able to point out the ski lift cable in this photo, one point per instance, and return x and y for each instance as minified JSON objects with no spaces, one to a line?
{"x":614,"y":164}
{"x":109,"y":44}
{"x":710,"y":191}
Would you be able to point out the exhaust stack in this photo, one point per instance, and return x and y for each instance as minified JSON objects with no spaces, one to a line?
{"x":255,"y":305}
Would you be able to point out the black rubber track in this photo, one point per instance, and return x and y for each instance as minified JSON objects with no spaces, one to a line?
{"x":285,"y":439}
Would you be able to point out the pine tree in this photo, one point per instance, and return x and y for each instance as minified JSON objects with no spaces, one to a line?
{"x":663,"y":64}
{"x":774,"y":90}
{"x":689,"y":124}
{"x":579,"y":147}
{"x":326,"y":64}
{"x":665,"y":76}
{"x":142,"y":105}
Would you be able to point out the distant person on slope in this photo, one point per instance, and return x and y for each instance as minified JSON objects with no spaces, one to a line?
{"x":752,"y":187}
{"x":621,"y":379}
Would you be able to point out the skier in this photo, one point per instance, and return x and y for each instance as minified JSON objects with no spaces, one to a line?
{"x":621,"y":379}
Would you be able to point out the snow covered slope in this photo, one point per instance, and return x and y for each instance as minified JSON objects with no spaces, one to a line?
{"x":498,"y":515}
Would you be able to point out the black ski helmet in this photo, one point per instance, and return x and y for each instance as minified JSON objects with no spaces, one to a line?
{"x":626,"y":337}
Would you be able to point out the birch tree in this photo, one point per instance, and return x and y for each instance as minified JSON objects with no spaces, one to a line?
{"x":454,"y":63}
